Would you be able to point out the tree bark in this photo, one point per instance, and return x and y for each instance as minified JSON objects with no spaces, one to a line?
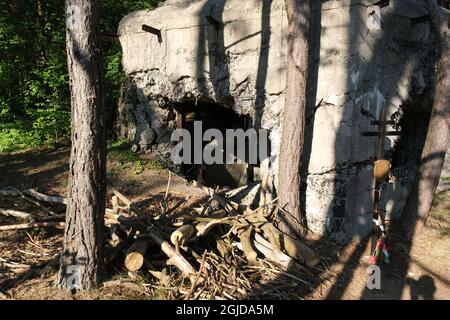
{"x":42,"y":21}
{"x":82,"y":264}
{"x":289,"y":176}
{"x":438,"y":137}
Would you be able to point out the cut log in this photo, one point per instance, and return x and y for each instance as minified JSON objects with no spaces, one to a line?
{"x":295,"y":248}
{"x":122,"y":197}
{"x":111,"y":216}
{"x":270,"y":254}
{"x":291,"y":246}
{"x":175,"y":258}
{"x":245,"y":237}
{"x":134,"y":259}
{"x":200,"y":226}
{"x":182,"y":234}
{"x":115,"y":205}
{"x":285,"y":262}
{"x":119,"y":248}
{"x":32,"y":226}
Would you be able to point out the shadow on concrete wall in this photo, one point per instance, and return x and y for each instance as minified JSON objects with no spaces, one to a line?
{"x":339,"y":209}
{"x":211,"y":41}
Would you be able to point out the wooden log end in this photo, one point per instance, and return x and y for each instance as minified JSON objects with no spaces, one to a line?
{"x":182,"y":234}
{"x":134,"y":261}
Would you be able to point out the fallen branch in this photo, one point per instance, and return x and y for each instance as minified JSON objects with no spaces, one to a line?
{"x":211,"y":224}
{"x":50,"y":218}
{"x":44,"y":197}
{"x":10,"y":192}
{"x":232,"y":208}
{"x":32,"y":225}
{"x":14,"y":192}
{"x":36,"y":203}
{"x":17,"y":214}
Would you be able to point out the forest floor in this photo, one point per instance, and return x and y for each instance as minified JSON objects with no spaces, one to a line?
{"x":28,"y":263}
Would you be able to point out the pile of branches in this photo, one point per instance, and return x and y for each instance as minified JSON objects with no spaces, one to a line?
{"x":222,"y":250}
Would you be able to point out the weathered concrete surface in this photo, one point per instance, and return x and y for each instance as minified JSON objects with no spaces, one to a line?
{"x":358,"y":71}
{"x":194,"y":61}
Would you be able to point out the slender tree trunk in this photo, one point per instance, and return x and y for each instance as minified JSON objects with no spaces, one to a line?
{"x":82,"y":260}
{"x":438,"y":137}
{"x":289,"y":177}
{"x":42,"y":21}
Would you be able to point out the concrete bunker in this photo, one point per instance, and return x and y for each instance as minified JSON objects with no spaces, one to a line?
{"x":232,"y":53}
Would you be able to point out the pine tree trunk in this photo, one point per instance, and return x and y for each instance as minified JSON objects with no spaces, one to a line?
{"x":289,"y":177}
{"x":82,"y":260}
{"x":438,"y":137}
{"x":42,"y":22}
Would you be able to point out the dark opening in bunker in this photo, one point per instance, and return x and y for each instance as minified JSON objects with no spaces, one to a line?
{"x":213,"y":116}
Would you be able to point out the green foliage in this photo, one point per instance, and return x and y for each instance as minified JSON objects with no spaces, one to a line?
{"x":34,"y":91}
{"x":120,"y":152}
{"x":16,"y":136}
{"x":46,"y":102}
{"x":138,"y":167}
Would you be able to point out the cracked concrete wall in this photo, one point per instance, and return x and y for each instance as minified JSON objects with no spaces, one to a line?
{"x":362,"y":71}
{"x":241,"y":66}
{"x":196,"y":62}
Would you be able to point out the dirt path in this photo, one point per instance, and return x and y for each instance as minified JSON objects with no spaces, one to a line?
{"x":420,"y":271}
{"x":416,"y":272}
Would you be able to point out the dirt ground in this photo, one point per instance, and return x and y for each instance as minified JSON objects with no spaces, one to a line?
{"x":28,"y":259}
